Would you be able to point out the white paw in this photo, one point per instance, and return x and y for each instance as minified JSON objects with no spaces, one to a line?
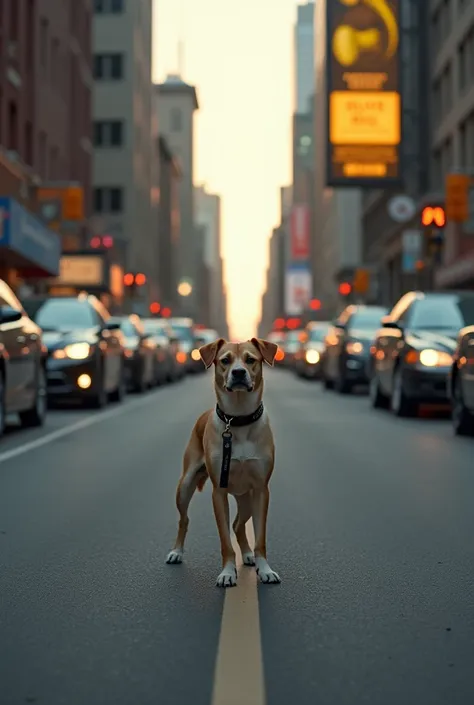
{"x":248,"y":559}
{"x":174,"y":556}
{"x":228,"y":577}
{"x":265,"y":573}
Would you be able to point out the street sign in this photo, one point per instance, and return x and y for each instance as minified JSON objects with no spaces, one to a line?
{"x":401,"y":208}
{"x":457,"y":197}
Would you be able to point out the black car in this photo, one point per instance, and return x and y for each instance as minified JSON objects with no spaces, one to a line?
{"x":309,"y":354}
{"x":85,"y":349}
{"x":461,"y":385}
{"x":22,"y":363}
{"x":413,"y":352}
{"x":140,"y":354}
{"x":347,"y":347}
{"x":203,"y":337}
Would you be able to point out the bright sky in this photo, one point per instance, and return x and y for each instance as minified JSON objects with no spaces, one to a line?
{"x":239,"y":55}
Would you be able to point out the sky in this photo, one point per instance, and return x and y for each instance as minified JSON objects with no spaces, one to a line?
{"x":239,"y":55}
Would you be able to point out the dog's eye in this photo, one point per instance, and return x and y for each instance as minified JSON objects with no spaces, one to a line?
{"x":225,"y":360}
{"x":249,"y":360}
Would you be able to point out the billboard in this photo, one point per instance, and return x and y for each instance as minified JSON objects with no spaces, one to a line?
{"x":298,"y":289}
{"x":300,"y":232}
{"x":364,"y":106}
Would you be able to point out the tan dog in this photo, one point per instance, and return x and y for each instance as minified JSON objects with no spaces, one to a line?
{"x":233,"y":445}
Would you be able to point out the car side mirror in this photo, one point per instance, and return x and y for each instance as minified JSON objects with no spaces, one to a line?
{"x":387,"y":322}
{"x":9,"y":314}
{"x":111,"y":325}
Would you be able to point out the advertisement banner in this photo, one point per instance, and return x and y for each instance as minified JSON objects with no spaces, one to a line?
{"x":299,"y":232}
{"x":412,"y":244}
{"x":364,"y":109}
{"x":298,"y":289}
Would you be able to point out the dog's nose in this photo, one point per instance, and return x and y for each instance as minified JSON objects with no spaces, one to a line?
{"x":239,"y":373}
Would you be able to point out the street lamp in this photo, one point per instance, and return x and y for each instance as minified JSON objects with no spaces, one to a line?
{"x":185,"y":289}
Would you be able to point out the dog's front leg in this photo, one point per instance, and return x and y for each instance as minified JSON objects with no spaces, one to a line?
{"x":260,"y":502}
{"x":220,"y":502}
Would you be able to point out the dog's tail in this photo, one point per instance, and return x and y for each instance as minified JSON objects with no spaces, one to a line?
{"x":203,"y":476}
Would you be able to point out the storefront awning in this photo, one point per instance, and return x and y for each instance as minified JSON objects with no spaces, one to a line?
{"x":25,"y":243}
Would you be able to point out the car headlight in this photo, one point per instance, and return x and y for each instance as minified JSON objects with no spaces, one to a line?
{"x":435,"y":358}
{"x":196,"y":355}
{"x":312,"y":357}
{"x":74,"y":351}
{"x":354,"y":348}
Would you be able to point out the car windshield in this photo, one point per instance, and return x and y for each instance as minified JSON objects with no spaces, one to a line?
{"x":184,"y":333}
{"x":367,"y":318}
{"x":450,"y":312}
{"x":64,"y":314}
{"x":317,"y":335}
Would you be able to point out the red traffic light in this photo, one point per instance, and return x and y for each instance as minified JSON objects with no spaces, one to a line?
{"x":155,"y":307}
{"x":293,"y":323}
{"x":95,"y":242}
{"x":108,"y":241}
{"x":315,"y":304}
{"x":345,"y":289}
{"x":433,"y":215}
{"x":279,"y":324}
{"x":140,"y":279}
{"x":166,"y":312}
{"x":128,"y":279}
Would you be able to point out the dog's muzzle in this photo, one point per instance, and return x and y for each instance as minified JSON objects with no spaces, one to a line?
{"x":239,"y":381}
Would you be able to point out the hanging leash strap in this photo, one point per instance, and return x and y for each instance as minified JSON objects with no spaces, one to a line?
{"x":236,"y":421}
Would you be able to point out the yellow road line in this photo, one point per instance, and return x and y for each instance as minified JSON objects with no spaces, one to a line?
{"x":239,"y":674}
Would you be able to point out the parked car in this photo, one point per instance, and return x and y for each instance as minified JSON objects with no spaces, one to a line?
{"x":413,"y":351}
{"x":347,"y":347}
{"x":85,"y":348}
{"x":166,"y":349}
{"x":203,"y":336}
{"x":308,"y":357}
{"x":183,"y":330}
{"x":279,"y":339}
{"x":461,"y":384}
{"x":140,"y":353}
{"x":22,"y":363}
{"x":291,"y":346}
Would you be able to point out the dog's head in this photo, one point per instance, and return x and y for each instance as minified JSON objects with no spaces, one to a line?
{"x":238,"y":366}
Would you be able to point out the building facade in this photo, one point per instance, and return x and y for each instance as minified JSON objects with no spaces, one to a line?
{"x":45,"y":103}
{"x":304,"y":57}
{"x":176,"y":104}
{"x":169,"y":226}
{"x":126,"y":137}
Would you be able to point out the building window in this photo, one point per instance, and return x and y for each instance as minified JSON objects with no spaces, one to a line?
{"x":176,"y":120}
{"x":108,"y":67}
{"x":12,"y":127}
{"x":103,"y":7}
{"x":44,"y":41}
{"x":108,"y":133}
{"x":29,"y":143}
{"x":108,"y":199}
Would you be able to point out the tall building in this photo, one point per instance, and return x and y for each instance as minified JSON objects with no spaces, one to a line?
{"x":304,"y":57}
{"x":45,"y":126}
{"x":169,"y":226}
{"x":125,"y":137}
{"x":176,"y":103}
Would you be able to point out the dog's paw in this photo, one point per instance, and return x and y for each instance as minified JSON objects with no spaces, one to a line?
{"x":248,"y":559}
{"x":174,"y":556}
{"x":228,"y":577}
{"x":265,"y":573}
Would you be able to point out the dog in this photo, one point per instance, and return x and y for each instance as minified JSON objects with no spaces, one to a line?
{"x":233,"y":446}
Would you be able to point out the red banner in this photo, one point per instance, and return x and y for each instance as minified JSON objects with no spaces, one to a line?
{"x":299,"y":232}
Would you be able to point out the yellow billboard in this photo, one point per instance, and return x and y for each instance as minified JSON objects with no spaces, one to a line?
{"x":364,"y":110}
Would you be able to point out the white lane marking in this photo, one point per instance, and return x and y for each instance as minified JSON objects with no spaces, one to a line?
{"x":239,"y":677}
{"x":71,"y":428}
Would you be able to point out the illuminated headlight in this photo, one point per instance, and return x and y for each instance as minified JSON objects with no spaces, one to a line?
{"x":354,"y":348}
{"x":312,"y":357}
{"x":75,"y":351}
{"x":196,"y":355}
{"x":435,"y":358}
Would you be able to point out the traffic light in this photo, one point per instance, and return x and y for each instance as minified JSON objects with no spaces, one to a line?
{"x":155,"y":308}
{"x":106,"y":241}
{"x":433,"y":219}
{"x":345,"y":288}
{"x":315,"y":304}
{"x":434,"y":216}
{"x":129,"y":279}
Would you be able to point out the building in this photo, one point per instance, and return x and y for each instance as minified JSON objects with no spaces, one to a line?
{"x":169,"y":226}
{"x":304,"y":57}
{"x":176,"y":103}
{"x":126,"y":149}
{"x":208,"y":218}
{"x":45,"y":127}
{"x":337,"y":237}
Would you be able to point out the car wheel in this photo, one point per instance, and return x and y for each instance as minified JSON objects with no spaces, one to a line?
{"x":3,"y":411}
{"x":400,"y":404}
{"x":119,"y":394}
{"x":378,"y":400}
{"x":37,"y":414}
{"x":463,"y":420}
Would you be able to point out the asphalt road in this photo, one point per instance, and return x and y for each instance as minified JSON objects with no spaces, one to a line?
{"x":371,"y":529}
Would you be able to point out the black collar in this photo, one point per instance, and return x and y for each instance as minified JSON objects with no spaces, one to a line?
{"x":240,"y":420}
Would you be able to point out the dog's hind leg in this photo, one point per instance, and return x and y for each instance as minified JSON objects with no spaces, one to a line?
{"x":191,"y":479}
{"x":244,"y":512}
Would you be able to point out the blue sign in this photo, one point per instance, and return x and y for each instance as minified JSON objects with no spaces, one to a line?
{"x":24,"y":234}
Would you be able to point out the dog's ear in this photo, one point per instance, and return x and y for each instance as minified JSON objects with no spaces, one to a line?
{"x":267,"y":350}
{"x":209,"y":352}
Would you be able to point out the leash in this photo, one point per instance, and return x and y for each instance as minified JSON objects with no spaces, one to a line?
{"x":236,"y":421}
